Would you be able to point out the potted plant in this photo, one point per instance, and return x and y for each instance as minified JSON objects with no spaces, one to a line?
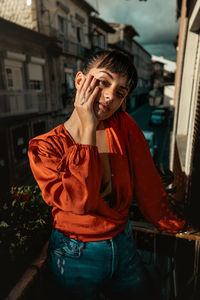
{"x":24,"y":228}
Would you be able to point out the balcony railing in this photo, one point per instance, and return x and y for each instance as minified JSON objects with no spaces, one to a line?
{"x":67,"y":45}
{"x":165,"y":266}
{"x":14,"y":103}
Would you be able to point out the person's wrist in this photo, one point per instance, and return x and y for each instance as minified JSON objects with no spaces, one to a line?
{"x":188,"y":229}
{"x":185,"y":228}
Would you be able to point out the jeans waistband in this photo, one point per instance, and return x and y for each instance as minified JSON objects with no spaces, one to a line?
{"x":127,"y":231}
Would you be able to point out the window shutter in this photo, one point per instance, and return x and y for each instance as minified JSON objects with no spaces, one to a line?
{"x":193,"y":195}
{"x":35,"y":72}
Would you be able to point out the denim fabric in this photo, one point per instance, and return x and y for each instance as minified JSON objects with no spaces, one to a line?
{"x":112,"y":267}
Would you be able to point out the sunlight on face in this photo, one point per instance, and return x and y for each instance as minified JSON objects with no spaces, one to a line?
{"x":113,"y":91}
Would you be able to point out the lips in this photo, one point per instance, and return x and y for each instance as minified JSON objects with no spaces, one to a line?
{"x":104,"y":106}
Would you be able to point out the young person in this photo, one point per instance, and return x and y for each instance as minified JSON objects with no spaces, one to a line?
{"x":88,"y":170}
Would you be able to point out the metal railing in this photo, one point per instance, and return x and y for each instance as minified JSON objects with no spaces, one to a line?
{"x":67,"y":45}
{"x":14,"y":103}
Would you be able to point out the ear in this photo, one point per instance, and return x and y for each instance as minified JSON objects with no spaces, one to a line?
{"x":78,"y":78}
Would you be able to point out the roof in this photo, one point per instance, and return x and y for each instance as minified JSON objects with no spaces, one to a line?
{"x":85,"y":5}
{"x":169,"y":65}
{"x":157,"y":62}
{"x":127,"y":27}
{"x":102,"y":24}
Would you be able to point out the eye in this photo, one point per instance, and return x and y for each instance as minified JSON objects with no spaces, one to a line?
{"x":103,"y":82}
{"x":120,"y":95}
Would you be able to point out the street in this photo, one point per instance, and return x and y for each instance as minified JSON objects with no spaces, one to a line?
{"x":162,"y":133}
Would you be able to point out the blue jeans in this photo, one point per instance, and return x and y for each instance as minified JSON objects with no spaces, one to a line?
{"x":110,"y":267}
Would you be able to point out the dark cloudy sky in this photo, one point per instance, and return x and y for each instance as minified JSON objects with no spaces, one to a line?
{"x":154,"y":20}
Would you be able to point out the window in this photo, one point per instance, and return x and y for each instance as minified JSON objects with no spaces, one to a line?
{"x":79,"y":32}
{"x":102,"y":41}
{"x":35,"y":76}
{"x":61,"y":24}
{"x":99,"y":40}
{"x":69,"y":81}
{"x":95,"y":39}
{"x":14,"y":78}
{"x":9,"y":77}
{"x":36,"y":85}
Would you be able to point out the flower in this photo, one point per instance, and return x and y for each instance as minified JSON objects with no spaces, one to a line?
{"x":25,"y":197}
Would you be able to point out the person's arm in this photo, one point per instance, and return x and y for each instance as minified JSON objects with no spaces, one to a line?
{"x":149,"y":191}
{"x":87,"y":91}
{"x":70,"y":183}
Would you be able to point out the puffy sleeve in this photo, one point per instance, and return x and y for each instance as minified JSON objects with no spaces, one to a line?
{"x":149,"y":191}
{"x":70,"y":182}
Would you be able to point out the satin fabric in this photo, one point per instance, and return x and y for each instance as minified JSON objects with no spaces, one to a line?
{"x":70,"y":174}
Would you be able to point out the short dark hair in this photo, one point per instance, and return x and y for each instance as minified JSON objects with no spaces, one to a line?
{"x":116,"y":62}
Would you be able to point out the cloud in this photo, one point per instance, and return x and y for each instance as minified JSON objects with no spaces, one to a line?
{"x":154,"y":20}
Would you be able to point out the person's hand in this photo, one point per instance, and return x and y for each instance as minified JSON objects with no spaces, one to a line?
{"x":188,"y":229}
{"x":86,"y":93}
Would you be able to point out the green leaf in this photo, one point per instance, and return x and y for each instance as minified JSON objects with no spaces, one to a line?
{"x":4,"y":224}
{"x":14,"y":202}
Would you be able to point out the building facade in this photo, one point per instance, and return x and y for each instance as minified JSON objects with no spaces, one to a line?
{"x":99,"y":30}
{"x":185,"y":145}
{"x":143,"y":63}
{"x":28,"y":94}
{"x":163,"y":81}
{"x":68,"y":22}
{"x":123,"y":37}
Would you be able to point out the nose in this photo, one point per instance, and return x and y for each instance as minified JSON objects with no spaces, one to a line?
{"x":109,"y":95}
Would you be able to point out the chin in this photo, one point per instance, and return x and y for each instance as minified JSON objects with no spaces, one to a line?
{"x":103,"y":116}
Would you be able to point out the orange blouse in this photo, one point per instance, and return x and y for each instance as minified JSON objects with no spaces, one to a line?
{"x":70,"y":174}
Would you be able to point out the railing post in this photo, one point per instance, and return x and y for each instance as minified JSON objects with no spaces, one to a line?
{"x":196,"y":264}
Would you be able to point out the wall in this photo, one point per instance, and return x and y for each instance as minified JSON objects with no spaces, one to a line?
{"x":186,"y":95}
{"x":19,"y":12}
{"x":51,"y":12}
